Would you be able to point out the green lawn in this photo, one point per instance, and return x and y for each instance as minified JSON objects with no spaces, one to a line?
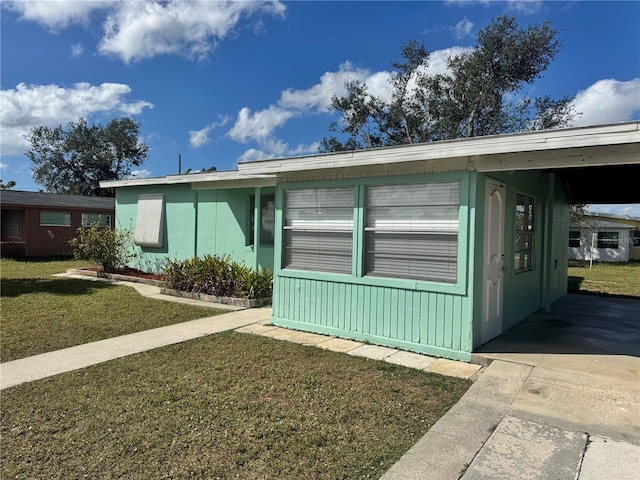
{"x":227,"y":406}
{"x":605,"y":278}
{"x":41,"y":313}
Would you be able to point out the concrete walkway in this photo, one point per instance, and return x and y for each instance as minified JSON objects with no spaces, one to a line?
{"x":567,"y":408}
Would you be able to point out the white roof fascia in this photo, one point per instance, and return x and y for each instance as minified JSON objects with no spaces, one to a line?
{"x":210,"y":178}
{"x":470,"y":148}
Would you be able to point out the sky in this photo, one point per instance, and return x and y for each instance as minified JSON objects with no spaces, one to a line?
{"x":223,"y":82}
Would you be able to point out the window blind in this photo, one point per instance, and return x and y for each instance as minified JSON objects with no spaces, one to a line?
{"x":318,"y":229}
{"x":411,"y":231}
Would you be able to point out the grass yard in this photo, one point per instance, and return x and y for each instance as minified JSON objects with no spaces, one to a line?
{"x":605,"y":278}
{"x":227,"y":406}
{"x":41,"y":313}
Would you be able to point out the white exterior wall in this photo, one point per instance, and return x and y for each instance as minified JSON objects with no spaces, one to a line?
{"x":585,"y":252}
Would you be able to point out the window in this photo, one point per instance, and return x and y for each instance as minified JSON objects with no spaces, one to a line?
{"x":635,"y":239}
{"x":411,"y":231}
{"x":101,"y":220}
{"x":267,"y":219}
{"x":318,"y":229}
{"x":525,"y":229}
{"x":55,"y":219}
{"x":11,"y":224}
{"x":149,"y":221}
{"x":608,"y":239}
{"x":574,"y":238}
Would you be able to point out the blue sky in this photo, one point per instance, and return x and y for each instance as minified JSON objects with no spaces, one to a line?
{"x":223,"y":82}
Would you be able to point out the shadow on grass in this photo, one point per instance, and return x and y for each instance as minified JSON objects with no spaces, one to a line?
{"x":72,"y":286}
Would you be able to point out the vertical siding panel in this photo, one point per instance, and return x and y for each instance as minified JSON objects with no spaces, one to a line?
{"x":457,"y":320}
{"x":416,"y":317}
{"x":403,"y":317}
{"x":433,"y":318}
{"x":449,"y":320}
{"x":440,"y":321}
{"x":424,"y":317}
{"x":394,"y":317}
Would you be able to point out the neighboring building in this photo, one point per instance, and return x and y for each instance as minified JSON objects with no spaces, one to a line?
{"x":605,"y":238}
{"x":38,"y":224}
{"x":434,"y":248}
{"x":601,"y":240}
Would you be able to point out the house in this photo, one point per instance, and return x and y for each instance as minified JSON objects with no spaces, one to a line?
{"x":605,"y":238}
{"x":35,"y":224}
{"x":434,"y":248}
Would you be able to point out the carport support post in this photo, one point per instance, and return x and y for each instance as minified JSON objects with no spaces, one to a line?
{"x":547,"y":247}
{"x":257,"y":221}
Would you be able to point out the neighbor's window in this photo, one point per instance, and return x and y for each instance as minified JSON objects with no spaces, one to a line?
{"x":318,"y":229}
{"x":574,"y":238}
{"x":11,"y":224}
{"x":411,"y":231}
{"x":525,"y":230}
{"x":635,"y":239}
{"x":267,"y":219}
{"x":99,"y":219}
{"x":608,"y":239}
{"x":55,"y":219}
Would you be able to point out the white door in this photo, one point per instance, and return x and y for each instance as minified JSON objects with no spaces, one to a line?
{"x":493,"y":258}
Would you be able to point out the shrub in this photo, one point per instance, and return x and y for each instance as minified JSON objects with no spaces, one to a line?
{"x":108,"y":247}
{"x":219,"y":276}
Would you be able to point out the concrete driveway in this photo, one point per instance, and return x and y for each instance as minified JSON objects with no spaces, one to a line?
{"x":586,"y":359}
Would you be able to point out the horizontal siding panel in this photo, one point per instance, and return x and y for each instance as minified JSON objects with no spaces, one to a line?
{"x":413,"y":320}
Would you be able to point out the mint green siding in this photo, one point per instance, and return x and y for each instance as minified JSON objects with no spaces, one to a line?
{"x":196,"y":222}
{"x":428,"y":322}
{"x":427,"y":317}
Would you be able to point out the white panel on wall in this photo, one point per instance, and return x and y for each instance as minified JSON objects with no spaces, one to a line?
{"x":149,"y":222}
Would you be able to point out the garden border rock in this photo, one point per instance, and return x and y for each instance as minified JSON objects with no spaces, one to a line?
{"x":238,"y":302}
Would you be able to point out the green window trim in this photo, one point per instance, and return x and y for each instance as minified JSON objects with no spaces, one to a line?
{"x":267,"y":220}
{"x":464,"y":256}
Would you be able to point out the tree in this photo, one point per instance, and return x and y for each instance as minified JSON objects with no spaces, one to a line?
{"x":478,"y":96}
{"x":74,"y":159}
{"x":7,"y":186}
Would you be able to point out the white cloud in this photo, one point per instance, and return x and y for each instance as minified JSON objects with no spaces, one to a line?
{"x":3,"y":166}
{"x":59,"y":14}
{"x":608,"y":101}
{"x":463,"y":28}
{"x":29,"y":106}
{"x":142,"y":173}
{"x":527,"y":7}
{"x":260,"y":126}
{"x":199,"y":138}
{"x":76,"y":50}
{"x":139,"y":30}
{"x":136,"y":30}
